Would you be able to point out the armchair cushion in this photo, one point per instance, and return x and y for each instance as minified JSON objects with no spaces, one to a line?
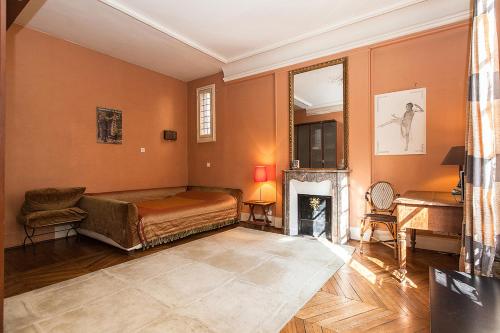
{"x":381,"y":217}
{"x":52,"y":217}
{"x":51,"y":199}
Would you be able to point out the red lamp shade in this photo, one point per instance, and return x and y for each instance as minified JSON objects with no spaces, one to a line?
{"x":260,"y":174}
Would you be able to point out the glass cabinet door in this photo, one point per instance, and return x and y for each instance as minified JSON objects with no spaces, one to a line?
{"x":330,"y":144}
{"x":302,"y":142}
{"x":317,"y":145}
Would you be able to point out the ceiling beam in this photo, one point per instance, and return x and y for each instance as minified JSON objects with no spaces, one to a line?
{"x":14,"y":8}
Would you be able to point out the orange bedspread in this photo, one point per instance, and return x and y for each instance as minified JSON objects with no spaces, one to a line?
{"x":192,"y":210}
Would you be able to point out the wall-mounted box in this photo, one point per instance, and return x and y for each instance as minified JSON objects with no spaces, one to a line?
{"x":169,"y":135}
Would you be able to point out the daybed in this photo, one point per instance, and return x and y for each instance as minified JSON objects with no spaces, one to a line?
{"x":143,"y":218}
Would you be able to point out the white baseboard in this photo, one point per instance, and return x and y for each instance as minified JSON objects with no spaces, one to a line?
{"x":442,"y":244}
{"x":61,"y":230}
{"x":276,"y":222}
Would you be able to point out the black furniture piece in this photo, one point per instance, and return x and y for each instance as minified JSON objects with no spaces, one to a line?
{"x":456,"y":156}
{"x":316,"y":144}
{"x":461,"y":303}
{"x":380,"y":198}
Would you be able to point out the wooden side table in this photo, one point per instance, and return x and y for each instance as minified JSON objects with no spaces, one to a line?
{"x":265,"y":206}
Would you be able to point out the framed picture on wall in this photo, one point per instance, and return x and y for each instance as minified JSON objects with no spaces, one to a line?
{"x":109,"y":126}
{"x":400,"y":122}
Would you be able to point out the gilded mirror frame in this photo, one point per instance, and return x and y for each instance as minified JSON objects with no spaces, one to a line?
{"x":291,"y":113}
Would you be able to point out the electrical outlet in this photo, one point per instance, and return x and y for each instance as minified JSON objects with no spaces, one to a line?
{"x":143,"y":150}
{"x":209,"y":164}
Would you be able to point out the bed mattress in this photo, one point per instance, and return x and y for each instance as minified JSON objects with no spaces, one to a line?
{"x":165,"y":219}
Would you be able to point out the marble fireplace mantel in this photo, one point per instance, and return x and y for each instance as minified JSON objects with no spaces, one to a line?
{"x":329,"y":182}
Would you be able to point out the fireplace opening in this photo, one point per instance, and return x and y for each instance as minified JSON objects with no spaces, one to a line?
{"x":315,"y":213}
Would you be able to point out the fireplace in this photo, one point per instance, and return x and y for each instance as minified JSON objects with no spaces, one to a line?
{"x":315,"y":215}
{"x":331,"y":187}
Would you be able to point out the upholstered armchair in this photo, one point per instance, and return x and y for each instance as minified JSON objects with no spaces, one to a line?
{"x":50,"y":207}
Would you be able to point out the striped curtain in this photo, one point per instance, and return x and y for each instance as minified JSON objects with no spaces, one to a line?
{"x":481,"y":226}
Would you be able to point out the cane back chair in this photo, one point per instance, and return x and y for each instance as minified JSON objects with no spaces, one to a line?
{"x":380,"y":198}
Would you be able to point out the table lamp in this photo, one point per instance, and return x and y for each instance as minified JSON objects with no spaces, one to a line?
{"x":456,"y":156}
{"x":260,"y":176}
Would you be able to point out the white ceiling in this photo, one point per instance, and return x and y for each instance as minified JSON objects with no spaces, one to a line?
{"x":100,"y":27}
{"x":321,"y":88}
{"x":194,"y":38}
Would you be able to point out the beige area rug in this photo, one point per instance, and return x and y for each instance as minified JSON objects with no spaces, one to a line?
{"x":237,"y":281}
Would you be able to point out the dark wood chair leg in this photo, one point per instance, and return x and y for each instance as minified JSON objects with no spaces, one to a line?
{"x":362,"y":234}
{"x":395,"y":236}
{"x":30,"y":237}
{"x":251,"y":217}
{"x":67,"y":233}
{"x":265,"y":210}
{"x":74,"y":227}
{"x":413,"y":239}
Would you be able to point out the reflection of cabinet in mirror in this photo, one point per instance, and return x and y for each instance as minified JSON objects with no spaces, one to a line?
{"x":316,"y":144}
{"x":319,"y":111}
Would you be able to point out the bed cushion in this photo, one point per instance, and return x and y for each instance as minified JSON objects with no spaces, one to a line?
{"x":135,"y":196}
{"x":51,"y":199}
{"x":52,"y":217}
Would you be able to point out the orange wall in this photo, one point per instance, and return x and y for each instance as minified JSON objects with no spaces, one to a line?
{"x":439,"y":63}
{"x":245,"y":135}
{"x":434,"y":59}
{"x":53,"y":88}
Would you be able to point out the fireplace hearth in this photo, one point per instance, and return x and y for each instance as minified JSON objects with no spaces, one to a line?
{"x":315,"y":215}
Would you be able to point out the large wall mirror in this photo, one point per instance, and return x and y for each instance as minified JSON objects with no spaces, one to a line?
{"x":318,"y":115}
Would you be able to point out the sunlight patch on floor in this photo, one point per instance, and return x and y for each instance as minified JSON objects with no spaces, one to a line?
{"x":388,"y":268}
{"x":343,"y":251}
{"x":365,"y":272}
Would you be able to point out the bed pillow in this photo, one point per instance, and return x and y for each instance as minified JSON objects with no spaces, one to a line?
{"x":52,"y":199}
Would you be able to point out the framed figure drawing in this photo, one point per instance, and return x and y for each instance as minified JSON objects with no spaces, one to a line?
{"x":400,"y":122}
{"x":109,"y":126}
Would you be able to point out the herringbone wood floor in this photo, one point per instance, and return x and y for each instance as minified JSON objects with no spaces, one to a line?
{"x":364,"y":297}
{"x":361,"y":296}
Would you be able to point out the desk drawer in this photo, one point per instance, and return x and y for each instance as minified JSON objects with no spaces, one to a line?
{"x":433,"y":218}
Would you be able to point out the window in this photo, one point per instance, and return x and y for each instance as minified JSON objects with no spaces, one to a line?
{"x":206,"y":113}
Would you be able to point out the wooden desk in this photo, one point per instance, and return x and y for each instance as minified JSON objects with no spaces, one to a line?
{"x":433,"y":211}
{"x":461,"y":303}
